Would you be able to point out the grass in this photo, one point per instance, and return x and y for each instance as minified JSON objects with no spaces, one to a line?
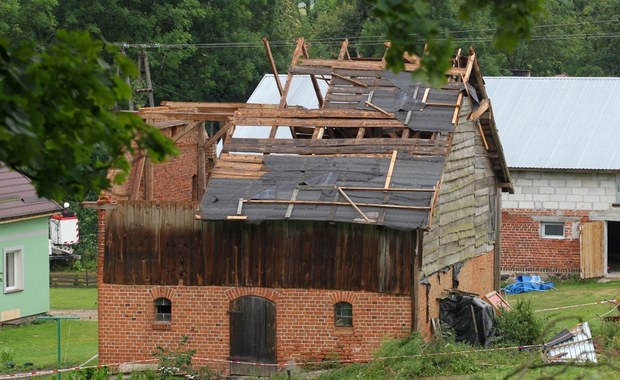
{"x":568,"y":294}
{"x":502,"y":364}
{"x":73,"y":298}
{"x":37,"y":343}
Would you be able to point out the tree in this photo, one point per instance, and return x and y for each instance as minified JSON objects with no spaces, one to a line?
{"x":57,"y":111}
{"x":410,"y":29}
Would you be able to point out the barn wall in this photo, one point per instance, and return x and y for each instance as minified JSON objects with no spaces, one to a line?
{"x":474,"y":276}
{"x":465,"y":221}
{"x":151,"y":243}
{"x":305,"y":331}
{"x":175,"y":179}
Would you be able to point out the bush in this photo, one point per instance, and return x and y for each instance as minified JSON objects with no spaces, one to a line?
{"x":610,"y":333}
{"x":518,"y":326}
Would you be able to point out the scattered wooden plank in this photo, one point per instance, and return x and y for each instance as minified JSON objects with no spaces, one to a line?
{"x":388,"y":178}
{"x":353,"y":205}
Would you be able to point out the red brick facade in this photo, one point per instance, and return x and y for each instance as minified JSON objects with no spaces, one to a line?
{"x":524,"y":250}
{"x":305,"y":331}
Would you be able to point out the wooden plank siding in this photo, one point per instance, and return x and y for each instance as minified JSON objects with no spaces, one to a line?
{"x":157,"y":243}
{"x":465,"y":218}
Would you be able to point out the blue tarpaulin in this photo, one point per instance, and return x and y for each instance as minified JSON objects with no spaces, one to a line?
{"x":528,"y":284}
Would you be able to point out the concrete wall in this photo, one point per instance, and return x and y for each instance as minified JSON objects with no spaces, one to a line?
{"x":571,"y":198}
{"x":549,"y":190}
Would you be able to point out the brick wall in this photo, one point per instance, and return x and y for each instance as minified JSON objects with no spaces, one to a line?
{"x":476,"y":276}
{"x":524,"y":250}
{"x":305,"y":330}
{"x":175,"y":179}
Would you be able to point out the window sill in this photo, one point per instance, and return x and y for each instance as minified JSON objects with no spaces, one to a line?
{"x":13,"y":290}
{"x":161,"y":325}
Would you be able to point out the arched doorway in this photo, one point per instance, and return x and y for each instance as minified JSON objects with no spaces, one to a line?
{"x":252,"y":336}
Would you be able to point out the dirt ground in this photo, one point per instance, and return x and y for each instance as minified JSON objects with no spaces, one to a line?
{"x":83,"y":314}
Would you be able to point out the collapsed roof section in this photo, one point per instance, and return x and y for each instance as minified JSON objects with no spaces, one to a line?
{"x":372,"y":152}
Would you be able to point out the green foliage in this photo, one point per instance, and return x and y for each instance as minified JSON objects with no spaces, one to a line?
{"x":102,"y":373}
{"x":409,"y":26}
{"x":175,"y":362}
{"x":519,"y":326}
{"x":610,"y":334}
{"x":56,"y":110}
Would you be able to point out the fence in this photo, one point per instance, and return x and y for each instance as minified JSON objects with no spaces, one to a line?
{"x":73,"y":279}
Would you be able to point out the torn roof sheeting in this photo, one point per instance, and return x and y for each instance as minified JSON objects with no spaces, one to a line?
{"x":373,"y":153}
{"x":317,"y":187}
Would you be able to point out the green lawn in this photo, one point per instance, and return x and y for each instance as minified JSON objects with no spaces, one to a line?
{"x":568,"y":294}
{"x":37,"y":344}
{"x":73,"y":298}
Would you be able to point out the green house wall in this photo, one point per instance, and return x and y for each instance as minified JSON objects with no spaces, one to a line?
{"x":32,"y":236}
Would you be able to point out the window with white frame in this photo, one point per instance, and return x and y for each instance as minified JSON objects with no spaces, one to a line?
{"x":13,"y":279}
{"x":552,"y":230}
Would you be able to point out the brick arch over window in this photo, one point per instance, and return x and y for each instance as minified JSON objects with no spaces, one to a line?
{"x":163,"y":292}
{"x":342,"y":296}
{"x":270,"y":294}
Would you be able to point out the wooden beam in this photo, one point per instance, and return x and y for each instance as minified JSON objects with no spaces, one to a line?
{"x":388,"y":114}
{"x":186,"y":130}
{"x":371,"y":146}
{"x":318,"y":122}
{"x":482,"y":108}
{"x":137,"y":178}
{"x":469,"y":67}
{"x":388,"y":178}
{"x":201,"y":162}
{"x":315,"y":83}
{"x":344,"y":50}
{"x":218,"y":135}
{"x":296,"y":53}
{"x":350,"y":80}
{"x":272,"y":63}
{"x":329,"y":203}
{"x":148,"y":179}
{"x":353,"y":205}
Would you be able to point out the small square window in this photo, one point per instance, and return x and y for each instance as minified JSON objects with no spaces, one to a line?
{"x":163,"y":310}
{"x":343,"y":314}
{"x":552,"y":230}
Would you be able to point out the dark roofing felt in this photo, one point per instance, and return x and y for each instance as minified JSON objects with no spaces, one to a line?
{"x":317,"y":178}
{"x":256,"y":188}
{"x":18,"y":197}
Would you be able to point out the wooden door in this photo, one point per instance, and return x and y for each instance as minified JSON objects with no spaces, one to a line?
{"x":592,"y":241}
{"x":252,"y":336}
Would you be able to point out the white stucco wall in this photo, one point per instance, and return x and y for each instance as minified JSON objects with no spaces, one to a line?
{"x":588,"y":191}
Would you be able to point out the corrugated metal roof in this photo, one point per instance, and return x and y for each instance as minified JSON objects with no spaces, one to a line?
{"x":557,"y":122}
{"x":18,"y":197}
